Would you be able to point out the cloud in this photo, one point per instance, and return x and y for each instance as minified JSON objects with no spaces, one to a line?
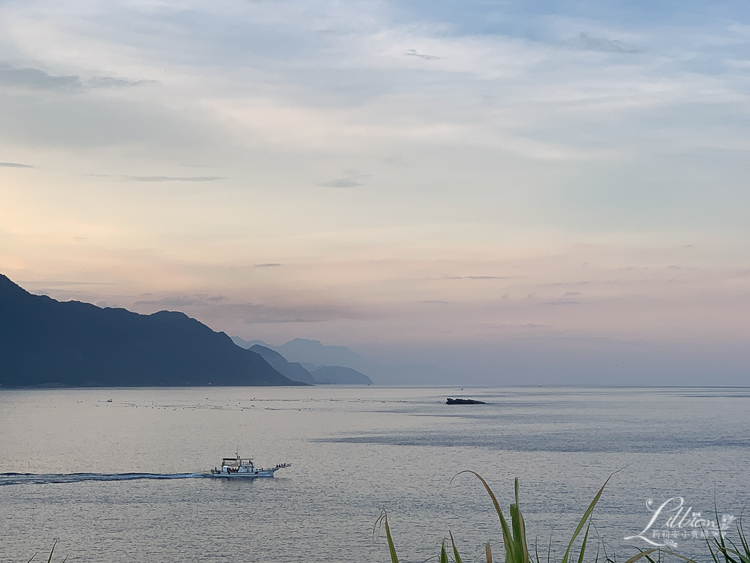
{"x":269,"y":265}
{"x":157,"y":178}
{"x":561,"y":302}
{"x":414,"y":53}
{"x":36,"y":79}
{"x":173,"y":178}
{"x":587,"y":42}
{"x":205,"y":307}
{"x":476,"y":278}
{"x":179,"y":301}
{"x":111,"y":82}
{"x":350,"y":179}
{"x":15,"y":165}
{"x":341,"y":183}
{"x":309,"y":313}
{"x":527,"y":326}
{"x":92,"y":118}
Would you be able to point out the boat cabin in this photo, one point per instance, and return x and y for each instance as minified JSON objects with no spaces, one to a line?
{"x":237,"y":465}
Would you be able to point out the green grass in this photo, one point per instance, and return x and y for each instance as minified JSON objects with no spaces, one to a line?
{"x":725,"y":550}
{"x":514,"y":534}
{"x":721,"y":549}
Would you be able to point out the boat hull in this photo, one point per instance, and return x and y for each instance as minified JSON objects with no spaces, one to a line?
{"x":253,"y":475}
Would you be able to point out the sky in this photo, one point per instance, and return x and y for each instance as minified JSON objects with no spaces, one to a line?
{"x":499,"y":193}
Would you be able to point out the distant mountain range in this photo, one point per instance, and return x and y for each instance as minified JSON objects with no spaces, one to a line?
{"x":44,"y":342}
{"x":308,"y":361}
{"x":292,"y":370}
{"x":312,"y":354}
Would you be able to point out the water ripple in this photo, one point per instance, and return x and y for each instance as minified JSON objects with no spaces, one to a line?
{"x":49,"y":478}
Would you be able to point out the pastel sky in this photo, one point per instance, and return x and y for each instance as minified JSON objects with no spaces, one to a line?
{"x":513,"y":192}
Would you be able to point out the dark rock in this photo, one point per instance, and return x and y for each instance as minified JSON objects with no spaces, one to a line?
{"x":450,"y":401}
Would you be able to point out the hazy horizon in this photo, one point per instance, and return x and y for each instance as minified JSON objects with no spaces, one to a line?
{"x":513,"y":193}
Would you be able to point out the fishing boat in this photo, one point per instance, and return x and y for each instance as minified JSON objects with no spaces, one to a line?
{"x":237,"y":467}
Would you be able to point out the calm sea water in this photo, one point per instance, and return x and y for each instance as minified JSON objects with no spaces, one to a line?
{"x":139,"y":493}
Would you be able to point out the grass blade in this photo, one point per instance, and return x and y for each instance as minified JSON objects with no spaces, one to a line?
{"x":443,"y":554}
{"x":51,"y":552}
{"x":641,"y":555}
{"x":456,"y":556}
{"x":585,"y":517}
{"x":488,"y":552}
{"x":743,"y":538}
{"x":391,"y":547}
{"x":583,"y":545}
{"x":510,"y":553}
{"x":383,"y":519}
{"x":519,"y":529}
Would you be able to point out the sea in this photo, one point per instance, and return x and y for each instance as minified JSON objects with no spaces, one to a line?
{"x":120,"y":475}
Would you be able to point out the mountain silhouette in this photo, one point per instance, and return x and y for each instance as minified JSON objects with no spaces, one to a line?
{"x":314,"y":352}
{"x":305,"y":369}
{"x":292,"y":370}
{"x":44,"y":342}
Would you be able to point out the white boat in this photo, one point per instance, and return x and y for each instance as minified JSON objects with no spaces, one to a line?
{"x":237,"y":467}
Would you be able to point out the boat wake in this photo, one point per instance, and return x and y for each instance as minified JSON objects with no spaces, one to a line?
{"x":49,"y":478}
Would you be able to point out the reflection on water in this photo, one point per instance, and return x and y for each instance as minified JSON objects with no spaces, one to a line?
{"x":128,"y":473}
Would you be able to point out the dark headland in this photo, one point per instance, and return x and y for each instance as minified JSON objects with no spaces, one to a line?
{"x":44,"y":342}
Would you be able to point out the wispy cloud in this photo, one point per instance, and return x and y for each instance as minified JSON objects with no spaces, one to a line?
{"x":62,"y":283}
{"x":350,"y":179}
{"x":173,"y":178}
{"x":268,"y":265}
{"x":36,"y":79}
{"x":476,"y":278}
{"x":414,"y":53}
{"x":527,"y":326}
{"x":112,"y":82}
{"x":341,"y":183}
{"x":204,"y":306}
{"x":173,"y":301}
{"x":588,"y":42}
{"x":15,"y":165}
{"x":308,"y":313}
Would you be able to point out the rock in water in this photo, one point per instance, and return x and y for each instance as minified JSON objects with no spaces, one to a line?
{"x":450,"y":401}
